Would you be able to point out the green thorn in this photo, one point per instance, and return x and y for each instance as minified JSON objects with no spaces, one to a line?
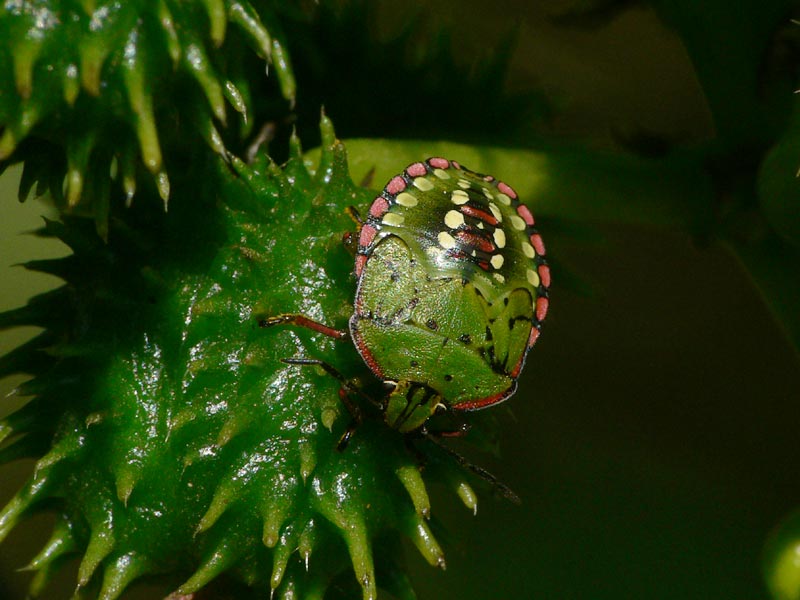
{"x":295,"y":147}
{"x":11,"y":513}
{"x":219,"y":562}
{"x":283,"y":68}
{"x":274,"y":514}
{"x":168,"y":27}
{"x":308,"y":459}
{"x":423,"y":539}
{"x":280,"y":559}
{"x":231,"y":428}
{"x":101,"y":543}
{"x":221,"y":502}
{"x":162,"y":182}
{"x":468,"y":496}
{"x":120,"y":574}
{"x":141,"y":103}
{"x":196,"y":61}
{"x":235,"y":98}
{"x":329,"y":415}
{"x":243,"y":14}
{"x":305,"y":544}
{"x":93,"y":53}
{"x":126,"y":478}
{"x":71,"y":83}
{"x":357,"y":540}
{"x":217,"y":20}
{"x":61,"y":543}
{"x":26,"y":52}
{"x":5,"y":430}
{"x":411,"y":479}
{"x":7,"y":144}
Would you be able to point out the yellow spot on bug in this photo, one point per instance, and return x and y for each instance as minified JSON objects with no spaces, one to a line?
{"x":528,"y":250}
{"x":497,"y":261}
{"x":533,"y":278}
{"x":517,"y":223}
{"x":480,"y":225}
{"x":459,"y":197}
{"x":496,"y":211}
{"x":391,"y":218}
{"x":446,"y":240}
{"x":422,"y":184}
{"x":463,"y":183}
{"x":499,"y":238}
{"x":406,"y":199}
{"x":453,"y":219}
{"x":503,"y":199}
{"x":499,"y":278}
{"x":441,"y":173}
{"x":487,"y":193}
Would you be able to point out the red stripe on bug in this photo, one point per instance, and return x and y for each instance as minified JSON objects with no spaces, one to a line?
{"x":368,"y":233}
{"x":379,"y":207}
{"x":477,"y":213}
{"x":416,"y":170}
{"x":483,"y":265}
{"x":544,"y":275}
{"x":365,"y":353}
{"x":439,"y":163}
{"x":541,"y":308}
{"x":476,"y":241}
{"x":526,"y":215}
{"x":484,"y":402}
{"x":538,"y":244}
{"x":507,"y":190}
{"x":360,"y":262}
{"x":396,"y":185}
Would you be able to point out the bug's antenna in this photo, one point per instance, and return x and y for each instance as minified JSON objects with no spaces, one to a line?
{"x":504,"y":490}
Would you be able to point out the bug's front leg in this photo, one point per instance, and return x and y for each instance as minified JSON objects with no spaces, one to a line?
{"x":303,"y":321}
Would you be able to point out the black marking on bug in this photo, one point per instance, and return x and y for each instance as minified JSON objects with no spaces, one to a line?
{"x":414,"y":363}
{"x":448,"y":378}
{"x":431,"y":324}
{"x":489,"y":336}
{"x":465,"y":338}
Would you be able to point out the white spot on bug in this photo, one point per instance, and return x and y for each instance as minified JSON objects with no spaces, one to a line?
{"x":517,"y":223}
{"x":446,"y":240}
{"x":480,"y":225}
{"x":406,"y":199}
{"x":528,"y":250}
{"x":441,"y":173}
{"x":499,"y":278}
{"x":463,"y":183}
{"x":391,"y":218}
{"x":473,"y":253}
{"x":497,"y":261}
{"x":499,"y":238}
{"x":487,"y":193}
{"x":453,"y":219}
{"x":459,"y":197}
{"x":422,"y":184}
{"x":496,"y":211}
{"x":503,"y":199}
{"x":533,"y":277}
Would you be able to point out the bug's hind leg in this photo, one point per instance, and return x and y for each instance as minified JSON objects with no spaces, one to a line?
{"x":504,"y":490}
{"x":303,"y":321}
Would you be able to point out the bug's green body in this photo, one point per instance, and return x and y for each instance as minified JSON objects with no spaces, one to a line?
{"x":452,"y":290}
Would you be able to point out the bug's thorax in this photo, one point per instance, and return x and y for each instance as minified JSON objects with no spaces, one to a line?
{"x":410,"y":404}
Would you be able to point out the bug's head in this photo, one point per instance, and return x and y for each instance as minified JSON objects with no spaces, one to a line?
{"x":409,"y":404}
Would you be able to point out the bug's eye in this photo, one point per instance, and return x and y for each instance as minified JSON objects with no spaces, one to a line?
{"x":389,"y":386}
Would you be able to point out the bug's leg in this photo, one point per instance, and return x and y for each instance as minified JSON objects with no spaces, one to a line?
{"x":367,"y":180}
{"x":460,"y":431}
{"x":347,"y":388}
{"x":303,"y":321}
{"x":353,"y":213}
{"x":506,"y":491}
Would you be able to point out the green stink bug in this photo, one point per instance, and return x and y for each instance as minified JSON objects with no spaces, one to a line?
{"x":452,"y":291}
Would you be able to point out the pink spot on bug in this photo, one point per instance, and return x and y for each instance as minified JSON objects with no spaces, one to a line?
{"x":542,"y":305}
{"x":538,"y":244}
{"x":455,"y":165}
{"x":439,"y":163}
{"x":366,"y":236}
{"x":360,"y":262}
{"x":416,"y":170}
{"x":379,"y":207}
{"x":488,"y":178}
{"x":396,"y":185}
{"x":533,"y":337}
{"x":507,"y":190}
{"x":544,"y":275}
{"x":523,"y":212}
